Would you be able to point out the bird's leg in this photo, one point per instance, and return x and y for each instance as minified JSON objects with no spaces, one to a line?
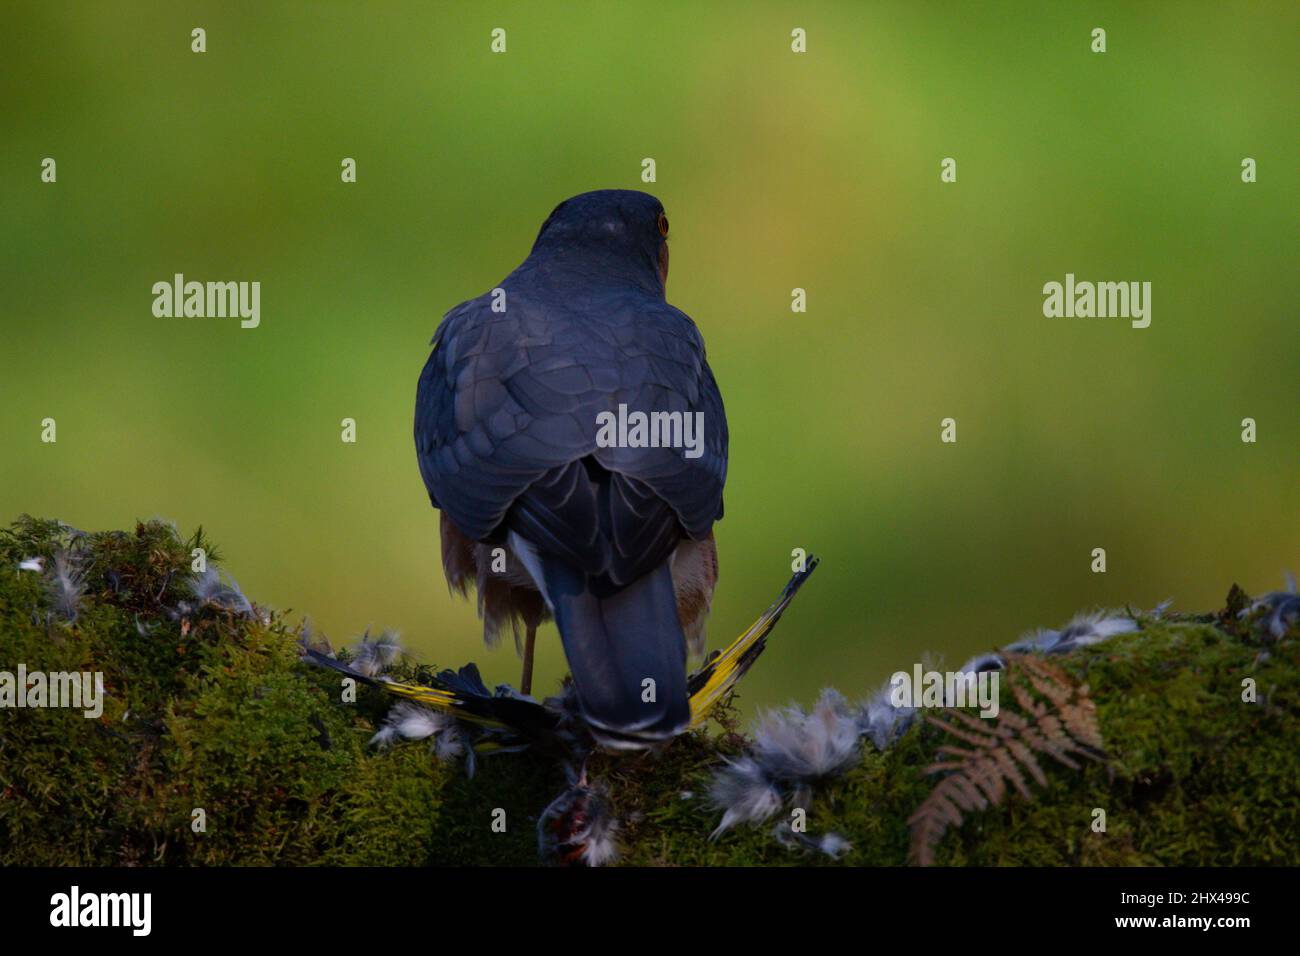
{"x":526,"y":682}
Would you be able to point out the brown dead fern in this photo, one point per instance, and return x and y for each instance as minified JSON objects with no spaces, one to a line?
{"x":1059,"y":721}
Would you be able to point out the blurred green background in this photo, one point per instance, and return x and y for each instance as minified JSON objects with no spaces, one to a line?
{"x":777,"y":170}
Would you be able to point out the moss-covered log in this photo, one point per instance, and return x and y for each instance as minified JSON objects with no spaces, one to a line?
{"x":207,"y":705}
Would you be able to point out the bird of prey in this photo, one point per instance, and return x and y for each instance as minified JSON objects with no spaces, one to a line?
{"x":546,"y":518}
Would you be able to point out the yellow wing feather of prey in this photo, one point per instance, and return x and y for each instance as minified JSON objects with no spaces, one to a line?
{"x":442,"y":700}
{"x":721,"y":677}
{"x":727,"y":668}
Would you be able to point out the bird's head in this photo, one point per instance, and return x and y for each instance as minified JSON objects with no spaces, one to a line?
{"x":620,"y":227}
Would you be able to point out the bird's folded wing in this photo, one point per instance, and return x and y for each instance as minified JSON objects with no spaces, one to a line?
{"x":507,"y":399}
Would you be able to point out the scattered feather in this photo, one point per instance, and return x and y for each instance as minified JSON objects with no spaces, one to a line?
{"x":1279,"y":611}
{"x":984,"y":662}
{"x":880,"y":721}
{"x":209,"y":590}
{"x":831,"y":844}
{"x":797,"y":745}
{"x":1091,"y":627}
{"x":407,"y":720}
{"x":834,"y":845}
{"x":67,"y":586}
{"x":374,"y":657}
{"x":745,"y":792}
{"x":793,"y":749}
{"x":309,"y":639}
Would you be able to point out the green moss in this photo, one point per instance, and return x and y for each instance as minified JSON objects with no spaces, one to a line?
{"x":1196,"y":775}
{"x":210,"y":709}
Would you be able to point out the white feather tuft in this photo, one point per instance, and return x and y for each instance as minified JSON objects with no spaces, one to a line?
{"x":744,"y":792}
{"x":880,"y":721}
{"x":208,"y":588}
{"x":1281,"y":609}
{"x":793,"y":744}
{"x":373,"y":657}
{"x":407,"y":720}
{"x":67,"y":585}
{"x":1090,"y":627}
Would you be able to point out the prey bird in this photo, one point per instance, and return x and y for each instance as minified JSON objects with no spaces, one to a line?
{"x":543,"y":517}
{"x":503,"y":720}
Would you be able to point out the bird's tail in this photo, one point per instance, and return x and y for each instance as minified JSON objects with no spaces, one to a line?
{"x":627,"y":653}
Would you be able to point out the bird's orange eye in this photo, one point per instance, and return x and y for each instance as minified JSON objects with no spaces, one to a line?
{"x":663,"y":225}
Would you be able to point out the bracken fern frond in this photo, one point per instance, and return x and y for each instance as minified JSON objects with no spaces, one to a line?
{"x":1055,"y":716}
